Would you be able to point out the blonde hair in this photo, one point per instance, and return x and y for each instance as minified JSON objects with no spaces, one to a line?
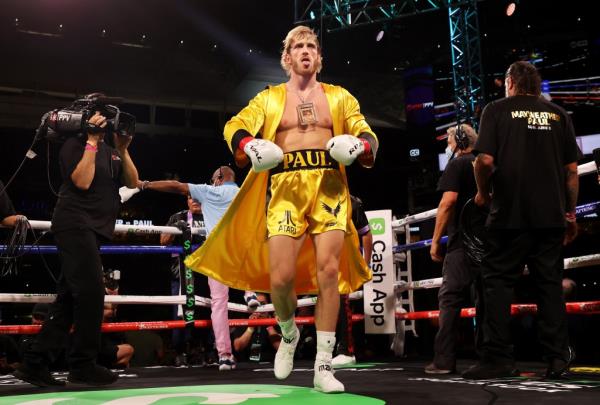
{"x":467,"y":130}
{"x":298,"y":33}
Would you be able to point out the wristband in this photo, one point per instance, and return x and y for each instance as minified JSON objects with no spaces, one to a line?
{"x":245,"y":141}
{"x":570,"y":217}
{"x":367,"y":146}
{"x":89,"y":146}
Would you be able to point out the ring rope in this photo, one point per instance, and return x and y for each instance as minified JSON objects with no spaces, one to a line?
{"x":585,"y":307}
{"x":582,"y":170}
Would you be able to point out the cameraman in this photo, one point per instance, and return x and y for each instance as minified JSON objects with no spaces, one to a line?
{"x":267,"y":338}
{"x":84,"y":218}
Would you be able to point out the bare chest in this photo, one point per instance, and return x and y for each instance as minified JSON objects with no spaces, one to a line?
{"x":305,"y":115}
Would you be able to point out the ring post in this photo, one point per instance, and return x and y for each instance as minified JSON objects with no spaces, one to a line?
{"x":186,"y":274}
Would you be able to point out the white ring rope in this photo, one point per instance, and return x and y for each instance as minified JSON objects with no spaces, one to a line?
{"x":135,"y":229}
{"x":583,"y":169}
{"x":569,"y":263}
{"x":158,"y":300}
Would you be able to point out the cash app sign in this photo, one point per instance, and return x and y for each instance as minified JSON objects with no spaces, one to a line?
{"x":377,"y":226}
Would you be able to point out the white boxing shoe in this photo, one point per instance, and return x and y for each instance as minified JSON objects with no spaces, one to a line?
{"x":284,"y":359}
{"x":341,"y":360}
{"x":324,"y":380}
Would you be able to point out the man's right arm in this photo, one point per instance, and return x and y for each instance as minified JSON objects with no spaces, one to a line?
{"x":444,"y":213}
{"x":572,"y":189}
{"x":247,"y":123}
{"x":165,"y":186}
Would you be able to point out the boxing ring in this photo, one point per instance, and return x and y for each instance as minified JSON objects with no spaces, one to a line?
{"x":401,"y":226}
{"x":405,"y":287}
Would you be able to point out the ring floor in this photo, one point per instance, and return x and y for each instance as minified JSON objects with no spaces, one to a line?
{"x":367,"y":383}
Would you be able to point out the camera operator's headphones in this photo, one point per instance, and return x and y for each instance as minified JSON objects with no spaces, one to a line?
{"x":461,"y":138}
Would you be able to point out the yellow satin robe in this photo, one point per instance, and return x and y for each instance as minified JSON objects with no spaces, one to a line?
{"x":236,"y":251}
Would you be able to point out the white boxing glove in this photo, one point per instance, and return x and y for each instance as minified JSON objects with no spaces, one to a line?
{"x":263,"y":154}
{"x":126,"y":193}
{"x":346,"y":148}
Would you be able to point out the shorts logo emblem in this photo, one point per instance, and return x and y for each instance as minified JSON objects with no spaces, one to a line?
{"x":333,"y":211}
{"x":287,"y":224}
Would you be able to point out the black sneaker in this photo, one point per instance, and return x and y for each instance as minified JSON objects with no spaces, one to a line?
{"x":558,"y":368}
{"x":488,"y":371}
{"x":37,"y":375}
{"x":431,"y":368}
{"x":92,"y":375}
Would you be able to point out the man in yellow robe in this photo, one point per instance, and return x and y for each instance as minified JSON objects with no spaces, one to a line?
{"x":308,"y":132}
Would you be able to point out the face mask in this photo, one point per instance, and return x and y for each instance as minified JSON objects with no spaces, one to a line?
{"x":449,"y":152}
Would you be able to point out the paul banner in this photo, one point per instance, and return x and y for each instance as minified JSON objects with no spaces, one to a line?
{"x":379,"y":297}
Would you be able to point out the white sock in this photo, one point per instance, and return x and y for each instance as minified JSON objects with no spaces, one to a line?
{"x":325,"y":342}
{"x":288,"y":328}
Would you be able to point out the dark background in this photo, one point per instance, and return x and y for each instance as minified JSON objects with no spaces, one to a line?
{"x":230,"y":50}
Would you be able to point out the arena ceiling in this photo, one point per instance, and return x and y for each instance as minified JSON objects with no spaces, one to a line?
{"x":216,"y":53}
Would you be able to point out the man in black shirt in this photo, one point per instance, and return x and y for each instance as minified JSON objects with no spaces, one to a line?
{"x":84,"y":217}
{"x":457,"y":185}
{"x":526,"y":171}
{"x":258,"y":343}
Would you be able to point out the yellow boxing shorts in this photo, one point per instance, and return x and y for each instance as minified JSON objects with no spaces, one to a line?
{"x":308,"y":193}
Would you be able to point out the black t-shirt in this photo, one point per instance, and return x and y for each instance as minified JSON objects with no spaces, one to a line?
{"x":97,"y":207}
{"x":197,"y":221}
{"x":531,"y":140}
{"x":359,"y":218}
{"x":460,"y":178}
{"x":6,"y":206}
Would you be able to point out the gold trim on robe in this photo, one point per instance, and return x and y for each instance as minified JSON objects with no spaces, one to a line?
{"x":236,"y":251}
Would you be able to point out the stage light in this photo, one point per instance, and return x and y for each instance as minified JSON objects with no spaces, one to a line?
{"x":380,"y":35}
{"x":510,"y":8}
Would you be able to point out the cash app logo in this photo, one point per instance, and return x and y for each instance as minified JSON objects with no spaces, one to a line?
{"x":377,"y":226}
{"x":247,"y":394}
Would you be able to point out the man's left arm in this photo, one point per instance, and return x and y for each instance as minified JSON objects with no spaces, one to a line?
{"x":485,"y":150}
{"x":361,"y":222}
{"x":11,"y":220}
{"x":129,"y":177}
{"x":356,"y":124}
{"x":484,"y":167}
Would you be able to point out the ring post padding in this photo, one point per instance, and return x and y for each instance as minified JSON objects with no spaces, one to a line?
{"x":186,"y":278}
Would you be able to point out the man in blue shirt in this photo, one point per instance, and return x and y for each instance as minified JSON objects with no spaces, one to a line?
{"x":215,"y":199}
